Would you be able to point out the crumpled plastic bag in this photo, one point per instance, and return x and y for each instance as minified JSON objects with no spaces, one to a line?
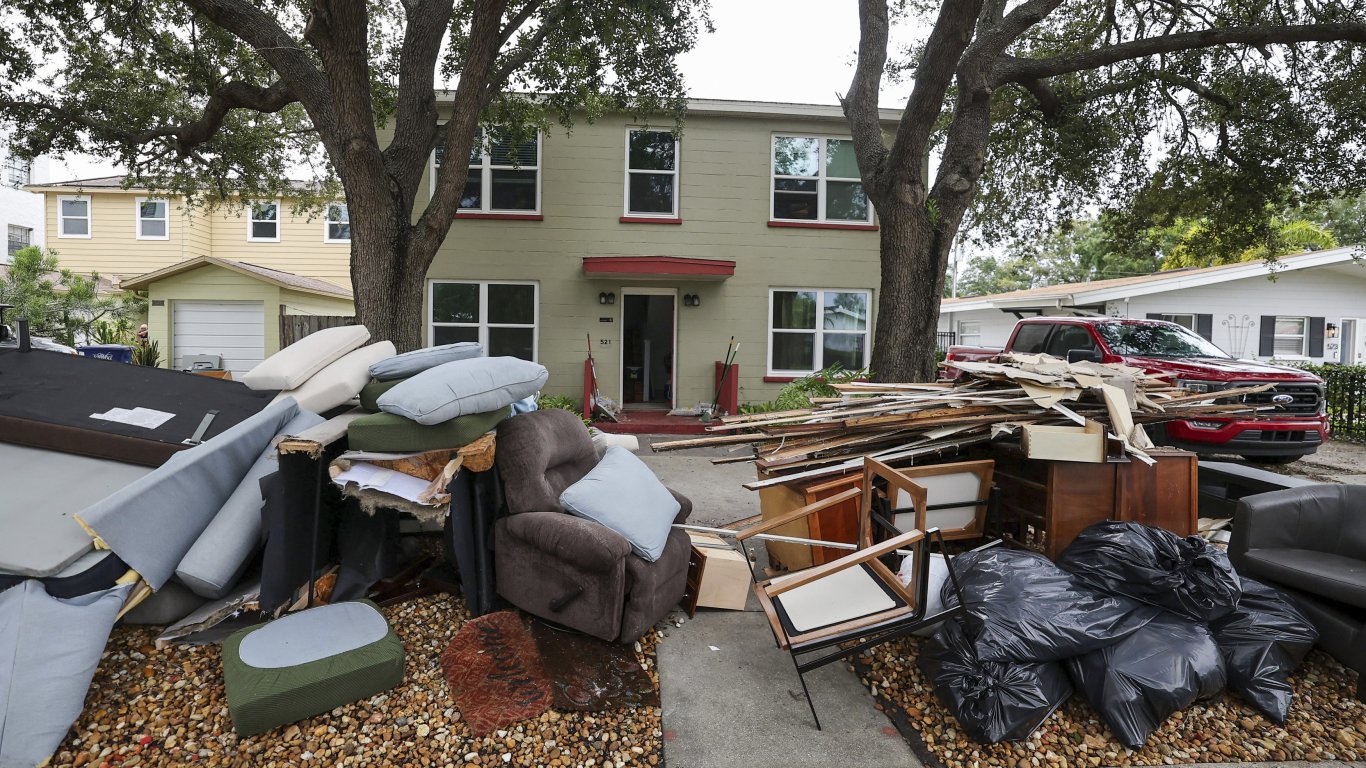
{"x":1186,"y":576}
{"x":1262,"y":642}
{"x":1143,"y":679}
{"x":992,"y":700}
{"x":1021,"y":607}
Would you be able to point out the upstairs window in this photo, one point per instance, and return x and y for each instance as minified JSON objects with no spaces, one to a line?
{"x":817,"y":180}
{"x":153,"y":219}
{"x":17,"y":171}
{"x":502,"y":316}
{"x":505,"y":179}
{"x":73,"y":216}
{"x":263,"y":223}
{"x":651,"y":174}
{"x":813,"y":329}
{"x":337,"y":227}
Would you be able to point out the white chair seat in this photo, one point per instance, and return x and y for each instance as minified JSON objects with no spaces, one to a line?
{"x":844,"y":595}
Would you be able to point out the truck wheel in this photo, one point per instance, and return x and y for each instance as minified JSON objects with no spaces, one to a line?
{"x":1273,"y":459}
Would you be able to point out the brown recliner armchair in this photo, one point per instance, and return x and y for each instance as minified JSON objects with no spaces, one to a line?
{"x":563,"y":568}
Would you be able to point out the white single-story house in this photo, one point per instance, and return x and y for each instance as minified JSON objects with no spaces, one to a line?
{"x":1308,"y":307}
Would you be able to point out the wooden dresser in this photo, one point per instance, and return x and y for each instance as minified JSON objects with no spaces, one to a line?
{"x":1045,"y":504}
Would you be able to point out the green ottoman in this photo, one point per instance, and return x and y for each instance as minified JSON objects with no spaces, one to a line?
{"x":393,"y":433}
{"x":307,"y":663}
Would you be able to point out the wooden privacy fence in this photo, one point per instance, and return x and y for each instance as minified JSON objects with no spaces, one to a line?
{"x":295,"y":327}
{"x":1345,"y":392}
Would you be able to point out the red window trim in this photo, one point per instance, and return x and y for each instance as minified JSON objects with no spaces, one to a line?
{"x":823,"y":225}
{"x":508,"y":216}
{"x":647,"y":220}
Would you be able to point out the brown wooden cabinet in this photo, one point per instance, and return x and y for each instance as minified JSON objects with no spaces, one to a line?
{"x":836,"y":523}
{"x":1045,"y":504}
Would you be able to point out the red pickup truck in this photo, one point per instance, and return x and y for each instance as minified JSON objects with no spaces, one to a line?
{"x":1295,"y":428}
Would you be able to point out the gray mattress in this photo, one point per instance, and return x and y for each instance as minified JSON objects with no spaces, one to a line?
{"x":42,"y":492}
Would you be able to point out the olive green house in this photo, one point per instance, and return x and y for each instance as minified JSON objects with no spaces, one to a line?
{"x":654,"y":252}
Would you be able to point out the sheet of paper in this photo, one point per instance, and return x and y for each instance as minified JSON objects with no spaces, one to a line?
{"x":370,"y":477}
{"x":138,"y":417}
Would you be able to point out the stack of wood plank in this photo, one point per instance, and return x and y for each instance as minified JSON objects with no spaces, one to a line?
{"x":903,"y":421}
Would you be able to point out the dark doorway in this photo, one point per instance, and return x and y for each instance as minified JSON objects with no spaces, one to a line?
{"x":647,"y":353}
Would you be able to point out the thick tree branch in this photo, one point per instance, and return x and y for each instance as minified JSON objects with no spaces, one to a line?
{"x":861,"y":105}
{"x":415,"y":122}
{"x":1011,"y":69}
{"x":187,"y":136}
{"x":950,"y":38}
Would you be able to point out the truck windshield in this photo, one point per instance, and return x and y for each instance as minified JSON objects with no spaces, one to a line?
{"x":1154,"y":340}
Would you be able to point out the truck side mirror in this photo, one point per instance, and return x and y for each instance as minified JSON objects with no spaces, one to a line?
{"x":1083,"y":355}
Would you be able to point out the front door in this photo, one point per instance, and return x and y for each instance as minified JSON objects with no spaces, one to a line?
{"x":1353,"y":333}
{"x":647,"y":347}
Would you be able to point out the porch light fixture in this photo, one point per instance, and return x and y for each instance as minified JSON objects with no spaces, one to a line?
{"x":607,"y":297}
{"x":1331,"y":330}
{"x":692,"y":300}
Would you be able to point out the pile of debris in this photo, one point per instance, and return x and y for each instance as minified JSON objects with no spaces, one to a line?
{"x":904,"y":421}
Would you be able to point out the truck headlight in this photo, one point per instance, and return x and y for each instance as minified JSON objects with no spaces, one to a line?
{"x":1194,"y":386}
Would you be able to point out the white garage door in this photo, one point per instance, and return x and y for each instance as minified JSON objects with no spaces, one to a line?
{"x":233,"y":329}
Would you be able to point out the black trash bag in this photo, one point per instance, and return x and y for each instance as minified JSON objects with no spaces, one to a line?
{"x":1143,"y":679}
{"x":1262,"y":642}
{"x":993,"y":701}
{"x":1020,"y":607}
{"x":1186,"y":576}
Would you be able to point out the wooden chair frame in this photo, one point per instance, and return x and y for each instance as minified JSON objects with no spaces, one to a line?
{"x":905,"y":480}
{"x":855,"y":635}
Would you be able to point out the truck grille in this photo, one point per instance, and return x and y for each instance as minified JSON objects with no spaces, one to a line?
{"x":1307,"y":397}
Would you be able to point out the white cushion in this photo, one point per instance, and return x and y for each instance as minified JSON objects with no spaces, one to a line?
{"x":624,"y":495}
{"x":846,"y":594}
{"x":341,"y":380}
{"x":412,"y":363}
{"x":478,"y":385}
{"x":293,"y":365}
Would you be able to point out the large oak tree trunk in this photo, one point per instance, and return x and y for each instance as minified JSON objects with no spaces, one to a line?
{"x":388,"y":274}
{"x":914,"y":254}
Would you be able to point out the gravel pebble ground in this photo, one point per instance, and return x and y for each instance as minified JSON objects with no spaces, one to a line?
{"x":1326,"y":722}
{"x":167,"y":708}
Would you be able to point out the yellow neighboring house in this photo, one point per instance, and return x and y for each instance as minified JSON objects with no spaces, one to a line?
{"x":269,"y":261}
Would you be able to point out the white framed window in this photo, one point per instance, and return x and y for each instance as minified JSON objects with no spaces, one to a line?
{"x":19,"y":237}
{"x":1183,"y":319}
{"x":651,"y":173}
{"x":810,"y":329}
{"x":816,"y":179}
{"x":17,"y":171}
{"x":502,"y":315}
{"x":263,"y":221}
{"x":969,"y":332}
{"x":505,"y":179}
{"x":73,"y":216}
{"x":153,"y":219}
{"x":1291,"y":337}
{"x":337,"y":224}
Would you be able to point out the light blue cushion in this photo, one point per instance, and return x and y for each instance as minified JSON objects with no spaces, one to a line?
{"x":478,"y":385}
{"x":415,"y":362}
{"x":624,"y":495}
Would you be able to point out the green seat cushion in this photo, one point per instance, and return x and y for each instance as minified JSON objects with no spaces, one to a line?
{"x":308,"y":663}
{"x":371,"y":392}
{"x":390,"y":432}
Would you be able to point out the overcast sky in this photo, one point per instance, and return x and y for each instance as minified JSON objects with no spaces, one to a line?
{"x":798,"y":51}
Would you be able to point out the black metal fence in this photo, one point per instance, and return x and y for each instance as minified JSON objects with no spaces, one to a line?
{"x":945,"y":339}
{"x":1345,"y":391}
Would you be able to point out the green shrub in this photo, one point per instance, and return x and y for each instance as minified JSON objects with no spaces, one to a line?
{"x":799,"y":393}
{"x":563,"y":403}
